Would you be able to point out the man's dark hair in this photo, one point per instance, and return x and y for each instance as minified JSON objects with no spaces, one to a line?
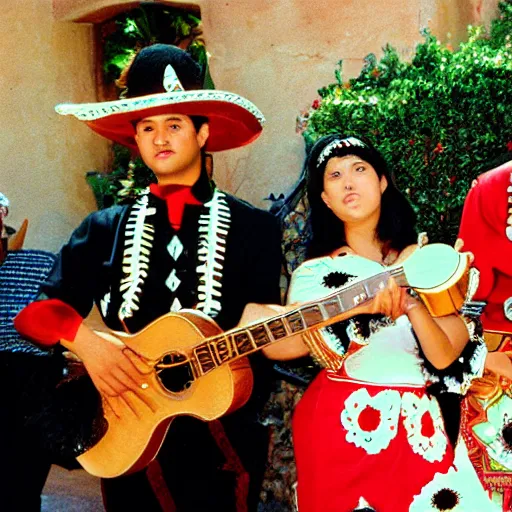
{"x":198,"y":121}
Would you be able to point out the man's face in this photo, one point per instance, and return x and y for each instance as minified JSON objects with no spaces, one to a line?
{"x":171,"y":147}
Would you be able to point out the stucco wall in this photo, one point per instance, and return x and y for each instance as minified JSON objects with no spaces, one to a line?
{"x":275,"y":52}
{"x":43,"y":157}
{"x":279,"y":53}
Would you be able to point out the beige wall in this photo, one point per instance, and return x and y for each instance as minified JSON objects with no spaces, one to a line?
{"x":279,"y":53}
{"x":275,"y":52}
{"x":42,"y":157}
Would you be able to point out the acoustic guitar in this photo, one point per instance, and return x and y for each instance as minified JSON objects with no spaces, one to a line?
{"x":201,"y":371}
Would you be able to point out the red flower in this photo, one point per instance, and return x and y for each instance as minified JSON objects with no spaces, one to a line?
{"x":439,"y":148}
{"x":453,"y":179}
{"x":315,"y":104}
{"x":509,"y":145}
{"x":376,"y":73}
{"x":411,"y":142}
{"x":427,"y":425}
{"x":369,"y":419}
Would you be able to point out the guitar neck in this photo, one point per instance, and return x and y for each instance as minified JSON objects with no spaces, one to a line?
{"x":242,"y":341}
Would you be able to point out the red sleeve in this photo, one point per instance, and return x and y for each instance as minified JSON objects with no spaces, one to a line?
{"x":478,"y":236}
{"x":46,"y":322}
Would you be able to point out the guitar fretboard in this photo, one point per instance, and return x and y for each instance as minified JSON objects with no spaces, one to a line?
{"x":240,"y":342}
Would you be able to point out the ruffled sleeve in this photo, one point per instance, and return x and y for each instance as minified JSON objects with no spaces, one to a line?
{"x":306,"y":286}
{"x":457,"y":377}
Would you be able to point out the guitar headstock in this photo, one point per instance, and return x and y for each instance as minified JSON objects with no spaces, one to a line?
{"x":436,"y":267}
{"x":440,"y":275}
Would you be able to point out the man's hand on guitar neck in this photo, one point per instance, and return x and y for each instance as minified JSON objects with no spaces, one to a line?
{"x":112,"y":366}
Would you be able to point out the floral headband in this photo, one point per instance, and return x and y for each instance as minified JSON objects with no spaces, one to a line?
{"x":338,"y":144}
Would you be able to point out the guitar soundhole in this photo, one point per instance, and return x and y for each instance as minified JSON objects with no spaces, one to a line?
{"x":175,"y":372}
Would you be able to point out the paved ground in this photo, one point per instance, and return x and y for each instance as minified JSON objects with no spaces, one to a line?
{"x":71,"y":491}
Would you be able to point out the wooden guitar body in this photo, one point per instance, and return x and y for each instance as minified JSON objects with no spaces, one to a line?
{"x":136,"y":428}
{"x":200,"y":371}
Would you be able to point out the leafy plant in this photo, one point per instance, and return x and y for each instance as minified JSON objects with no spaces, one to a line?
{"x":125,"y":181}
{"x":440,"y":120}
{"x":146,"y":25}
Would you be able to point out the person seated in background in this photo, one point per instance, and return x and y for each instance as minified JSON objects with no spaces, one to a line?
{"x":23,"y":370}
{"x":486,"y":423}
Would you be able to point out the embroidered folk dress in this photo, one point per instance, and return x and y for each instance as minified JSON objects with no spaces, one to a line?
{"x":371,"y":430}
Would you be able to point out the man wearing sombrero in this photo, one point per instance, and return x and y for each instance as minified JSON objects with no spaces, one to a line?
{"x":182,"y":244}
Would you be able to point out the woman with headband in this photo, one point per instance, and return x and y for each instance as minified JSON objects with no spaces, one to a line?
{"x":368,"y":436}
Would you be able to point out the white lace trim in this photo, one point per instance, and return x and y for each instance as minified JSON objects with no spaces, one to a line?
{"x":386,"y":405}
{"x":415,"y":410}
{"x":138,"y":243}
{"x":93,"y":111}
{"x":460,"y":385}
{"x":213,"y":230}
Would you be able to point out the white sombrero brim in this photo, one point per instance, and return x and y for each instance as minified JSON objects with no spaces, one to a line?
{"x":234,"y":121}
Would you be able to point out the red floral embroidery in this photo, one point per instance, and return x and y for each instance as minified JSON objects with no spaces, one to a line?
{"x":369,"y":419}
{"x":427,"y":425}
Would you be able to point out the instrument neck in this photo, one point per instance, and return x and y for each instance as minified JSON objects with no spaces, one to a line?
{"x":242,"y":341}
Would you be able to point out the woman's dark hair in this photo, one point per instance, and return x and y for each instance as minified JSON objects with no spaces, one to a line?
{"x":397,"y":218}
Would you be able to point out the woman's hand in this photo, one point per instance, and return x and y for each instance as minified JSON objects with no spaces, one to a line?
{"x":392,"y":301}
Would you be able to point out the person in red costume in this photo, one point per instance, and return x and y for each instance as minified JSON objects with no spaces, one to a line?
{"x":486,"y":423}
{"x":182,"y":243}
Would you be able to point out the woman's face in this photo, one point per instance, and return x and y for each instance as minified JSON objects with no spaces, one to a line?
{"x":352,"y":189}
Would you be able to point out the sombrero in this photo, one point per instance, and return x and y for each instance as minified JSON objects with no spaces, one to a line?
{"x":155,"y":85}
